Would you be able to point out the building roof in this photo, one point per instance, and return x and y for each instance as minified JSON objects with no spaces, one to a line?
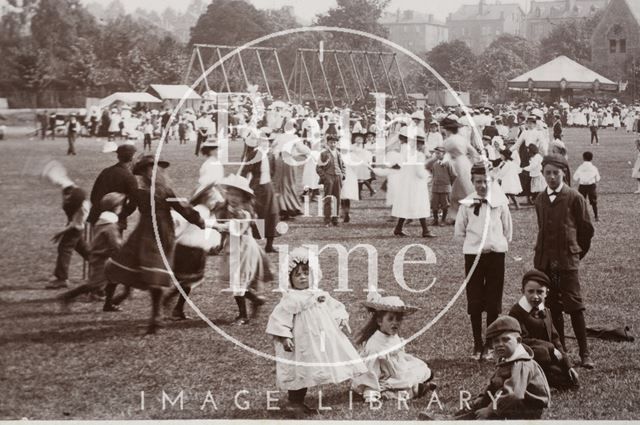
{"x":559,"y":10}
{"x":174,"y":92}
{"x":561,"y":68}
{"x":410,"y":17}
{"x":634,"y":6}
{"x":471,"y":12}
{"x":128,"y":98}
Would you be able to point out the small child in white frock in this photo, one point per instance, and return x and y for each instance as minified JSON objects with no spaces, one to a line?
{"x":397,"y":374}
{"x":534,"y":168}
{"x":507,"y":174}
{"x":307,"y":326}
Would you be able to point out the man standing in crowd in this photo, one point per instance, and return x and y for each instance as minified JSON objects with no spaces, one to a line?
{"x":72,"y":131}
{"x":331,"y":170}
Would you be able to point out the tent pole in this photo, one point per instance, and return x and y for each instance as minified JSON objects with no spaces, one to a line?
{"x":264,"y":74}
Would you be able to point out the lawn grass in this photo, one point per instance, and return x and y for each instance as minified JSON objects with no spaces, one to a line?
{"x":92,"y":365}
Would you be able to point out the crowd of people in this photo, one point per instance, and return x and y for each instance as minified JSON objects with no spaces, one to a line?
{"x":447,"y":166}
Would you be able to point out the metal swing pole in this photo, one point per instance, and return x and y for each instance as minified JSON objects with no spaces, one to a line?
{"x":404,"y":88}
{"x":386,"y":73}
{"x":284,"y":83}
{"x":193,"y":58}
{"x":373,"y":79}
{"x":264,"y":74}
{"x":306,"y":70}
{"x":326,"y":82}
{"x":344,"y":84}
{"x":224,"y":71}
{"x":293,"y":75}
{"x":244,"y":71}
{"x":204,"y":71}
{"x":355,"y":70}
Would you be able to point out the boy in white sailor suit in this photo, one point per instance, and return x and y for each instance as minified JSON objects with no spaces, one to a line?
{"x":485,"y":285}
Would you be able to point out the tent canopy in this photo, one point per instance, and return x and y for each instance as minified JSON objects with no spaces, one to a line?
{"x":128,"y":98}
{"x":562,"y":73}
{"x":174,"y":92}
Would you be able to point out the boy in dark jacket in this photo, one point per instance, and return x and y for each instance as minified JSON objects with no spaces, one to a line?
{"x":539,"y":334}
{"x":518,"y":388}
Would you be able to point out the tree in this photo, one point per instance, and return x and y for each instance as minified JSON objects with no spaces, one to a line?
{"x":136,"y":69}
{"x":496,"y":66}
{"x":571,"y":39}
{"x":230,"y":22}
{"x":454,"y":61}
{"x":526,"y":50}
{"x":362,"y":15}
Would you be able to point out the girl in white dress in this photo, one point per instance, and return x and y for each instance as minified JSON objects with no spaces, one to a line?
{"x":307,"y":326}
{"x":349,"y":191}
{"x":508,"y":175}
{"x":393,"y":370}
{"x":534,"y":168}
{"x":636,"y":168}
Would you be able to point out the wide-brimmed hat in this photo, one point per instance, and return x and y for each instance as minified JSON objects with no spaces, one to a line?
{"x":147,"y":161}
{"x":417,"y":115}
{"x":209,"y":145}
{"x":376,"y":302}
{"x":439,"y":149}
{"x":238,"y":182}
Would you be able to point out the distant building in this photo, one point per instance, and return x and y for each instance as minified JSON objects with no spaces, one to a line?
{"x":615,"y":42}
{"x":415,"y":31}
{"x":479,"y":24}
{"x":544,"y":15}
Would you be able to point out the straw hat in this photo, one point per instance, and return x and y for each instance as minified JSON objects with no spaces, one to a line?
{"x":111,"y":200}
{"x":376,"y":302}
{"x":237,"y":182}
{"x":417,"y":115}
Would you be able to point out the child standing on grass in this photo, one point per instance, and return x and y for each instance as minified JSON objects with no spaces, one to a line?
{"x":443,"y":176}
{"x":247,"y":270}
{"x":307,"y":326}
{"x":485,"y":285}
{"x":535,"y":172}
{"x":394,"y":371}
{"x":518,"y":385}
{"x":148,"y":134}
{"x":507,"y":174}
{"x":594,"y":132}
{"x":587,"y":176}
{"x":105,"y":243}
{"x":539,"y":334}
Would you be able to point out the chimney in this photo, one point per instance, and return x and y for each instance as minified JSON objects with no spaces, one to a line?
{"x":481,"y":7}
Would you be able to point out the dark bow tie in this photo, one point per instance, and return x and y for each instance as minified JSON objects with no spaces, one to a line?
{"x":477,"y":204}
{"x":538,"y":314}
{"x":554,"y":193}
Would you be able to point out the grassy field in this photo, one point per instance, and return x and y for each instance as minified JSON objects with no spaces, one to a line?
{"x":87,"y":364}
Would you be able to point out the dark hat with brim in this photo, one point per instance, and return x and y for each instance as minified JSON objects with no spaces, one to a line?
{"x":536,"y":276}
{"x":479,"y":169}
{"x":556,"y":160}
{"x":501,"y":325}
{"x":447,"y":122}
{"x":147,"y":161}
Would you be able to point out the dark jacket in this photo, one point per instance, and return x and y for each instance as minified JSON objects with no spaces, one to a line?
{"x":564,"y":230}
{"x":117,"y":178}
{"x":539,"y":334}
{"x":326,"y":166}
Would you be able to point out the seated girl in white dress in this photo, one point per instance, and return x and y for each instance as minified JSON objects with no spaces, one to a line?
{"x":307,"y":326}
{"x":394,"y":370}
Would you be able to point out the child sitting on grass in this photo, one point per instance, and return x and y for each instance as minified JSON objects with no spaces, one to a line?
{"x":539,"y":334}
{"x":307,"y":326}
{"x":394,"y":371}
{"x":518,"y":388}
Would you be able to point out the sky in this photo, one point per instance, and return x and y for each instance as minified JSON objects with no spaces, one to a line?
{"x":307,"y":9}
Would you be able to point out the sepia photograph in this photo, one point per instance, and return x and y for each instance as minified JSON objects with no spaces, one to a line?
{"x":329,"y":210}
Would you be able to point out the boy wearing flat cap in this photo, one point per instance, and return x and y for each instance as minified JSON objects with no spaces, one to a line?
{"x":518,"y":388}
{"x":539,"y":334}
{"x":485,"y":284}
{"x":442,"y":177}
{"x":564,"y":238}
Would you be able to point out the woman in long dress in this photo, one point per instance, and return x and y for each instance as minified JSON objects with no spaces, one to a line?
{"x":462,"y":156}
{"x":286,"y":148}
{"x":349,"y":190}
{"x":412,"y":200}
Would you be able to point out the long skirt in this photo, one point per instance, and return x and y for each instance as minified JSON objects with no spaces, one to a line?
{"x":267,"y":209}
{"x":284,"y":182}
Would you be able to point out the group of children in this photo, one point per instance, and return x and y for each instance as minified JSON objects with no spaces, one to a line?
{"x":309,"y":330}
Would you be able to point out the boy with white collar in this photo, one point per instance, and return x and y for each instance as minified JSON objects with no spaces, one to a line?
{"x":485,"y":285}
{"x":539,"y":334}
{"x":518,"y":389}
